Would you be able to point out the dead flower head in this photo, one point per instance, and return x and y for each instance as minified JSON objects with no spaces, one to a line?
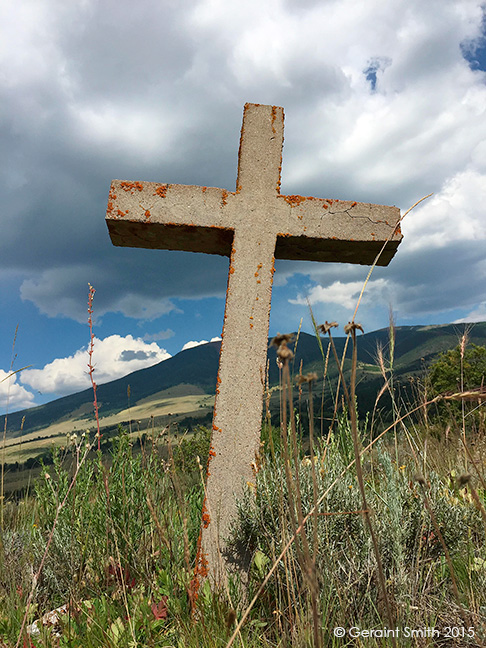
{"x":326,"y":327}
{"x":230,"y":618}
{"x":284,"y":354}
{"x":310,"y":377}
{"x":280,"y":338}
{"x":462,"y":480}
{"x":352,"y":326}
{"x":420,"y":479}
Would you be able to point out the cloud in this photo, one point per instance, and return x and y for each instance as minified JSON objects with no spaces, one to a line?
{"x":127,"y":356}
{"x":439,"y":267}
{"x":343,"y":294}
{"x":418,"y":284}
{"x":161,"y":335}
{"x":113,"y":357}
{"x":193,"y":343}
{"x":478,"y":314}
{"x":381,"y":106}
{"x":456,"y":213}
{"x":62,"y":290}
{"x":12,"y":395}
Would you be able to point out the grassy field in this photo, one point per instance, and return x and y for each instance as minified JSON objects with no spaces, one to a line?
{"x":143,"y":416}
{"x":369,"y":534}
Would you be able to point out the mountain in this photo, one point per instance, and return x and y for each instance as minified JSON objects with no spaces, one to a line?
{"x":194,"y":371}
{"x":197,"y":367}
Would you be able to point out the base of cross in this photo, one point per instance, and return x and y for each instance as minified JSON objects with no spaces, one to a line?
{"x":234,"y":563}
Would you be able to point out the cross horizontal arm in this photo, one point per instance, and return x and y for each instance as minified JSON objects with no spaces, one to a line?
{"x":203,"y":219}
{"x":316,"y":229}
{"x":169,"y":217}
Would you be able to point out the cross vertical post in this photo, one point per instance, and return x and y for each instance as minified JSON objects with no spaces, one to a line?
{"x":242,"y":368}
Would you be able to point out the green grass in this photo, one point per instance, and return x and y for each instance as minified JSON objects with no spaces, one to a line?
{"x":124,"y":564}
{"x":115,"y":538}
{"x":159,"y":408}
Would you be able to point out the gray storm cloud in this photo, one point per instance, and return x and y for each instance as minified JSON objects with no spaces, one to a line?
{"x":385,"y":108}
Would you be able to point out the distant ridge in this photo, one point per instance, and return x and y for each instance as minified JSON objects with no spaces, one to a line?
{"x":415,"y":348}
{"x":197,"y":366}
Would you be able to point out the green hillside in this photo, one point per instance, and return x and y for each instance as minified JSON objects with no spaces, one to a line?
{"x":197,"y":366}
{"x":415,"y":348}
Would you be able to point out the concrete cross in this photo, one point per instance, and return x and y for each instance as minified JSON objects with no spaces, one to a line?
{"x":253,"y":225}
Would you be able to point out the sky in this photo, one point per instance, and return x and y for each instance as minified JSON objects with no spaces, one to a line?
{"x":384,"y":102}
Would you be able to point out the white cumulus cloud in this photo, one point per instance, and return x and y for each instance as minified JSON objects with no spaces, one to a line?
{"x":12,"y":395}
{"x":194,"y":343}
{"x":455,"y":213}
{"x":342,"y":293}
{"x":113,"y":357}
{"x":476,"y":315}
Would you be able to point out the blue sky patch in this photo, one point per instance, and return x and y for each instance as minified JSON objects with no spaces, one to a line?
{"x":474,"y":51}
{"x":375,"y":65}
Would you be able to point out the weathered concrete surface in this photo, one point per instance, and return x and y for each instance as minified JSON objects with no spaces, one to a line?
{"x":252,"y":225}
